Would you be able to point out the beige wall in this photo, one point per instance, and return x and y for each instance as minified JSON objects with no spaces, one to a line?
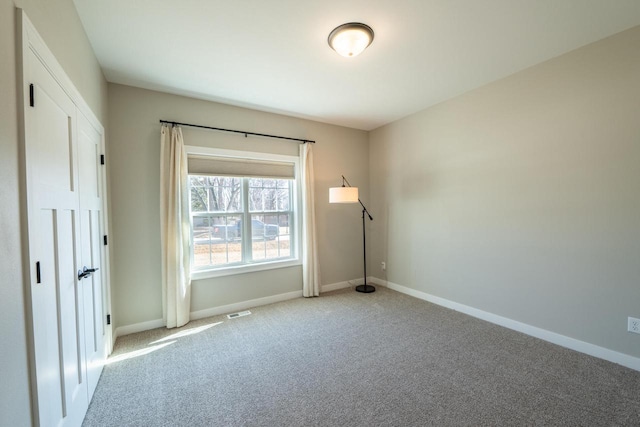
{"x":59,"y":25}
{"x":133,"y":161}
{"x":522,"y":198}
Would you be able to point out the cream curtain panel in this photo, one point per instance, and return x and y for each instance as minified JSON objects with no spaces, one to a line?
{"x":310,"y":266}
{"x":175,"y":228}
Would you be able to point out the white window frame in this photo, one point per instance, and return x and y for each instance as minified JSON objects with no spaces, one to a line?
{"x":296,"y":258}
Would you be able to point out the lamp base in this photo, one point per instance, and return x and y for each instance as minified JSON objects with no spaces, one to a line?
{"x":367,"y":289}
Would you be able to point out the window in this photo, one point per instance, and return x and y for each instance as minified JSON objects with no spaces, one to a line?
{"x":269,"y":205}
{"x":241,"y":222}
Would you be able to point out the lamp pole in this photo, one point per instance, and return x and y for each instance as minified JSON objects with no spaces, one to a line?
{"x":365,"y":288}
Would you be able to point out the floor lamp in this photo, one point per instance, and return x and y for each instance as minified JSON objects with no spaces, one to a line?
{"x":349,"y":194}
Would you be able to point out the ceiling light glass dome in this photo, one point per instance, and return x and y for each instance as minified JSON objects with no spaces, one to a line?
{"x":350,"y":39}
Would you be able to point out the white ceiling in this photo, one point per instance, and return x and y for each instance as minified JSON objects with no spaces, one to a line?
{"x":273,"y":55}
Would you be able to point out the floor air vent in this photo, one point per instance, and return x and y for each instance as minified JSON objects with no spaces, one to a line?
{"x":239,"y":314}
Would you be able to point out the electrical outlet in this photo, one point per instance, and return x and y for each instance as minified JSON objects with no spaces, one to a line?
{"x":634,"y":325}
{"x":383,"y":265}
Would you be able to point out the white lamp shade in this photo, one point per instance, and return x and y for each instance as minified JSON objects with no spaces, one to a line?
{"x":343,"y":195}
{"x":351,"y":39}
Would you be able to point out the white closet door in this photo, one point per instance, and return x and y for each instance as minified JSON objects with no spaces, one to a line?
{"x":52,"y":199}
{"x":90,"y":187}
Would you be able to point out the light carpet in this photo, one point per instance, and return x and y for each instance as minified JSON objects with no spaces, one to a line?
{"x":351,"y":359}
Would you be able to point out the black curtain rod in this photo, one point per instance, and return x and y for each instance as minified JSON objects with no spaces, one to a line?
{"x":304,"y":141}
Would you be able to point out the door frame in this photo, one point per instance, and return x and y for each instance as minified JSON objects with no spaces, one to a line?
{"x":28,"y":39}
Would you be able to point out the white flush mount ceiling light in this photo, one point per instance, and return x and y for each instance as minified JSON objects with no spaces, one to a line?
{"x":350,"y":39}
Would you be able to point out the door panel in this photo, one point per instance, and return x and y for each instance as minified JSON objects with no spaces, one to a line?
{"x":54,"y":139}
{"x":89,"y":185}
{"x":47,"y":343}
{"x":70,"y":311}
{"x":53,"y":228}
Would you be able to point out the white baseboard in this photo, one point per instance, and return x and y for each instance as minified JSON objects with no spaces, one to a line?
{"x":138,"y":327}
{"x":543,"y":334}
{"x":376,"y":281}
{"x":230,"y":308}
{"x":335,"y":286}
{"x":214,"y":311}
{"x":244,"y":305}
{"x":349,"y":284}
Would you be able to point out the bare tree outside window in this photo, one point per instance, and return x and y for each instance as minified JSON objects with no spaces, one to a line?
{"x":215,"y":194}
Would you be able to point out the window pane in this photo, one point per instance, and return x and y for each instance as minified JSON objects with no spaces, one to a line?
{"x":215,"y":194}
{"x":217,"y":240}
{"x":258,"y":250}
{"x":201,"y":241}
{"x":284,"y":247}
{"x":199,"y":201}
{"x":271,"y":239}
{"x":255,"y":199}
{"x":264,"y":194}
{"x":217,"y":209}
{"x":284,"y":239}
{"x":283,"y":224}
{"x":269,"y":194}
{"x":225,"y":194}
{"x":263,"y":227}
{"x":270,"y":197}
{"x":227,"y":228}
{"x":271,"y":249}
{"x":283,"y":199}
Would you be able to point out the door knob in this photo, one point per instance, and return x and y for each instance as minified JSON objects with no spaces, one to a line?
{"x":86,"y":272}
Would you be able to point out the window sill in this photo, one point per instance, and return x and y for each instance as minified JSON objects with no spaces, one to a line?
{"x":241,"y":269}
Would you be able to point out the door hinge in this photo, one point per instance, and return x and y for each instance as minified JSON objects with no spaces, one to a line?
{"x":108,"y":319}
{"x":32,"y":101}
{"x":38,"y":272}
{"x":105,"y":240}
{"x":102,"y":159}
